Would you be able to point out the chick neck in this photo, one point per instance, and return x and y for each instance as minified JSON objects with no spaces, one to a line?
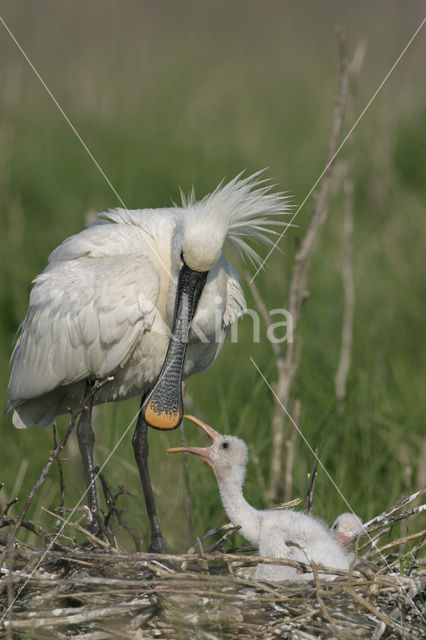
{"x":238,"y":510}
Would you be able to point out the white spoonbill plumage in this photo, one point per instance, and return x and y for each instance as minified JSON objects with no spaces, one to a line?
{"x":118,"y":299}
{"x":269,"y":530}
{"x":347,"y":528}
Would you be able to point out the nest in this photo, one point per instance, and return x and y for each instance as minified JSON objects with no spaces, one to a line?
{"x":96,"y":592}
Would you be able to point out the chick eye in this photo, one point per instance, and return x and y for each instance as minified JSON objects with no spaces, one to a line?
{"x":225,"y":445}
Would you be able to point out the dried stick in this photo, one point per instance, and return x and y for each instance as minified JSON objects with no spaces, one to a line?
{"x":219,"y":543}
{"x":262,"y":308}
{"x":60,"y":471}
{"x":394,"y":543}
{"x":343,"y":366}
{"x":411,"y":553}
{"x":287,"y":365}
{"x":97,"y":542}
{"x":340,"y":380}
{"x":6,"y":521}
{"x":386,"y":518}
{"x":8,"y":505}
{"x":111,"y":503}
{"x":318,"y":592}
{"x":389,"y":622}
{"x":398,"y":517}
{"x":138,"y":541}
{"x":290,"y":445}
{"x":291,"y":503}
{"x":54,"y":454}
{"x":311,"y":488}
{"x":278,"y":418}
{"x":74,"y":618}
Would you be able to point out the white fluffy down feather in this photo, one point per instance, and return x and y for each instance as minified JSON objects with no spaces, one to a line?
{"x":277,"y":533}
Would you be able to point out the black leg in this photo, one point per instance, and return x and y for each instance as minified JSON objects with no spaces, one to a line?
{"x":140,"y":446}
{"x":86,"y":440}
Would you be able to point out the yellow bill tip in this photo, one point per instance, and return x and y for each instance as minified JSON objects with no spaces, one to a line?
{"x":162,"y":419}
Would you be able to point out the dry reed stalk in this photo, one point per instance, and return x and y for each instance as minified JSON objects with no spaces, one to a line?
{"x":290,"y":445}
{"x":54,"y":455}
{"x":287,"y":364}
{"x":341,"y":377}
{"x":340,"y":380}
{"x":60,"y":471}
{"x":312,"y":483}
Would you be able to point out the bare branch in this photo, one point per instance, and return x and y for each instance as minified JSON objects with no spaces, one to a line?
{"x":343,"y":366}
{"x":290,"y":445}
{"x":340,"y":380}
{"x":113,"y":510}
{"x":60,"y":471}
{"x":6,"y":521}
{"x":262,"y":308}
{"x":287,"y":365}
{"x":311,"y":488}
{"x":8,"y":505}
{"x":53,"y":456}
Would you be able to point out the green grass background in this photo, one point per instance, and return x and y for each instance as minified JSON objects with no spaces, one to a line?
{"x":169,"y":94}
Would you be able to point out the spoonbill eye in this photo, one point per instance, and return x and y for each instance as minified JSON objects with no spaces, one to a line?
{"x":225,"y":445}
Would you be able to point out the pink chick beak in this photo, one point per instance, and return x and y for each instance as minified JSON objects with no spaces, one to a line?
{"x":202,"y":452}
{"x":343,"y":539}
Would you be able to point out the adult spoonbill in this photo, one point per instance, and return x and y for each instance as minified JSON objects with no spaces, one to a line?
{"x":268,"y":530}
{"x":118,"y":299}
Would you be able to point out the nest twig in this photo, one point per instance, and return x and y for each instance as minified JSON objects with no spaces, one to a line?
{"x":104,"y":592}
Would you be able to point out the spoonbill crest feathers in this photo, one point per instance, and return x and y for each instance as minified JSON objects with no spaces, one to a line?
{"x":238,"y":211}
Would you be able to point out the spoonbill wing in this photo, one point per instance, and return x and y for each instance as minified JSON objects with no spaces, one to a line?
{"x":84,"y":319}
{"x":235,"y":301}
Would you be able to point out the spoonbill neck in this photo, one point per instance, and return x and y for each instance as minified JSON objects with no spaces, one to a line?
{"x":238,"y":510}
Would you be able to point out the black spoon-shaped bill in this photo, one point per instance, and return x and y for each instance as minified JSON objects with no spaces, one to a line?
{"x":163,"y":407}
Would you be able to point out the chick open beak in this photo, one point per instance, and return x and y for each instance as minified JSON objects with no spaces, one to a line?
{"x":163,"y":407}
{"x":202,"y":452}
